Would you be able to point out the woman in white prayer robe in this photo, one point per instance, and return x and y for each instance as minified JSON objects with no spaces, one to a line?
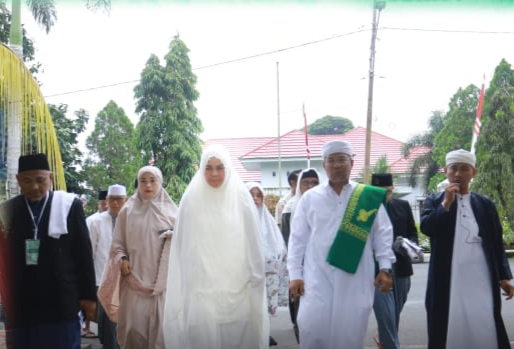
{"x":275,"y":252}
{"x":216,"y":292}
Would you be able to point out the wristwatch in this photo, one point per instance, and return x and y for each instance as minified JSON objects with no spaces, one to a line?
{"x":389,"y":271}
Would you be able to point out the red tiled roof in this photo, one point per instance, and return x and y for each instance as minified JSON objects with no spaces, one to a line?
{"x":237,"y":147}
{"x":403,"y":165}
{"x":292,"y":146}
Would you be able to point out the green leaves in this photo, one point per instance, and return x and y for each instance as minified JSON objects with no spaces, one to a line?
{"x":113,"y":157}
{"x":169,"y":128}
{"x":330,"y":125}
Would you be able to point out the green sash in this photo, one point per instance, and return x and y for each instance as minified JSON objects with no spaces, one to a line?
{"x":346,"y":250}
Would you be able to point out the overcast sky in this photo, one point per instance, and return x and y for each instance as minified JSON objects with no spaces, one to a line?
{"x":419,"y":65}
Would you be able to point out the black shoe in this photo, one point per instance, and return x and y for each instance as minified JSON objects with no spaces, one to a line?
{"x":272,"y":341}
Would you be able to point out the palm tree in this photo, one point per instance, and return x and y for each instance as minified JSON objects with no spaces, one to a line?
{"x":45,"y":14}
{"x":424,"y":163}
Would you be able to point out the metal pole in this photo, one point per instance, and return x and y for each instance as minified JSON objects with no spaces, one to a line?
{"x":279,"y":174}
{"x":377,"y":7}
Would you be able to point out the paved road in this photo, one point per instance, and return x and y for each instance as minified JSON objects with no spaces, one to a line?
{"x":413,"y":319}
{"x":412,"y":324}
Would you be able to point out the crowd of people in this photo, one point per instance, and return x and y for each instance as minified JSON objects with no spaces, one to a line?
{"x":208,"y":273}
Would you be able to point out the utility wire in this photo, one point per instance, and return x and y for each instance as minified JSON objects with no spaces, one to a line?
{"x":292,"y":48}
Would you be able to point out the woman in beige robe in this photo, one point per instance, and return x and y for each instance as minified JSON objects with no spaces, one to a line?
{"x":140,"y":250}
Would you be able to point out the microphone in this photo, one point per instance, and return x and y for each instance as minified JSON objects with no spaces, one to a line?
{"x":459,"y":182}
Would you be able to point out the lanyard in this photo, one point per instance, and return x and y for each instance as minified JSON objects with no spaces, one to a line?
{"x":36,"y":224}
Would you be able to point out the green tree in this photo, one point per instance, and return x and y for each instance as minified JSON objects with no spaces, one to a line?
{"x":68,"y":131}
{"x":424,"y":164}
{"x":457,"y":131}
{"x":112,"y":154}
{"x":381,"y":166}
{"x":5,"y":29}
{"x":495,"y":145}
{"x":330,"y":125}
{"x":45,"y":14}
{"x":169,"y":128}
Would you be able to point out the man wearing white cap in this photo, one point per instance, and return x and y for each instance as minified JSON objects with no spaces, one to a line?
{"x":468,"y":264}
{"x":338,"y":231}
{"x":101,"y":231}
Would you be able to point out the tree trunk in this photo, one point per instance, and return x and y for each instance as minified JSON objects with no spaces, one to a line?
{"x":14,"y":127}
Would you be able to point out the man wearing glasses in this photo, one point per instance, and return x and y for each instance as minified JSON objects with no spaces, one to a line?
{"x":338,"y":230}
{"x":101,"y":231}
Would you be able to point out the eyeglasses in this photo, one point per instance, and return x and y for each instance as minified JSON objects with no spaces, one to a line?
{"x":116,"y":199}
{"x":338,"y":160}
{"x":309,"y":183}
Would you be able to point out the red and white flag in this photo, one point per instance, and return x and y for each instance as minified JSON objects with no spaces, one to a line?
{"x":306,"y":131}
{"x":478,"y":122}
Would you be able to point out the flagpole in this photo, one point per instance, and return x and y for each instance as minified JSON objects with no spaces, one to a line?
{"x":306,"y":131}
{"x":278,"y":138}
{"x":478,"y":122}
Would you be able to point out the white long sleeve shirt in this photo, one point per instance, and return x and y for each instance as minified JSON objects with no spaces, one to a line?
{"x":336,"y":305}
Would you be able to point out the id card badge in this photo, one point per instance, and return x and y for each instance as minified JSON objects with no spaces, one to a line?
{"x":31,"y":252}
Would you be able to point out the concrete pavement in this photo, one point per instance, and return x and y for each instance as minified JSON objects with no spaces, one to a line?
{"x":412,"y":323}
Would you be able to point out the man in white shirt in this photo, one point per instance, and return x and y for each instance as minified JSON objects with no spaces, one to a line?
{"x":336,"y":285}
{"x":101,"y":230}
{"x":292,"y":179}
{"x":101,"y":205}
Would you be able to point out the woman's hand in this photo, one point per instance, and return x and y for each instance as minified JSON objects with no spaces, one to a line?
{"x":125,"y":266}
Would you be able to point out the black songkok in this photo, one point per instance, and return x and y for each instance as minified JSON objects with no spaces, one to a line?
{"x":33,"y":162}
{"x":310,"y":174}
{"x":102,"y":195}
{"x":382,"y":180}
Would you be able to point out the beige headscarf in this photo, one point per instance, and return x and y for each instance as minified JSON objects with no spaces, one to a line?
{"x":143,"y":235}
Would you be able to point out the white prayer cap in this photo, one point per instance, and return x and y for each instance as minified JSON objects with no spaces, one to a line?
{"x":461,"y":156}
{"x":117,"y":190}
{"x":332,"y":147}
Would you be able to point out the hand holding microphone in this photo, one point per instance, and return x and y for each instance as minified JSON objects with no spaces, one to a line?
{"x":450,"y":192}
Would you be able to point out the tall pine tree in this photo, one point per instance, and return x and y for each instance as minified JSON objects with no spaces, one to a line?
{"x":168,"y":130}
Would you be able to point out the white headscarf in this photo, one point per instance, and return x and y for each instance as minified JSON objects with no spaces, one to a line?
{"x":274,"y":246}
{"x":217,"y":260}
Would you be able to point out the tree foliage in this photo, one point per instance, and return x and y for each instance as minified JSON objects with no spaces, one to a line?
{"x":112,"y":154}
{"x":67,"y":131}
{"x":169,"y":128}
{"x":28,"y":44}
{"x":425,"y":163}
{"x":330,"y":125}
{"x":457,"y":131}
{"x":381,"y":166}
{"x":495,"y":145}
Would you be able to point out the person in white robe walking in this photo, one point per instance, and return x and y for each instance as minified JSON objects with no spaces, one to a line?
{"x":101,"y":232}
{"x":336,"y":304}
{"x":216,"y":293}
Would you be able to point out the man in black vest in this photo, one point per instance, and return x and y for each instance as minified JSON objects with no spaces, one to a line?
{"x":51,"y":267}
{"x":387,"y":306}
